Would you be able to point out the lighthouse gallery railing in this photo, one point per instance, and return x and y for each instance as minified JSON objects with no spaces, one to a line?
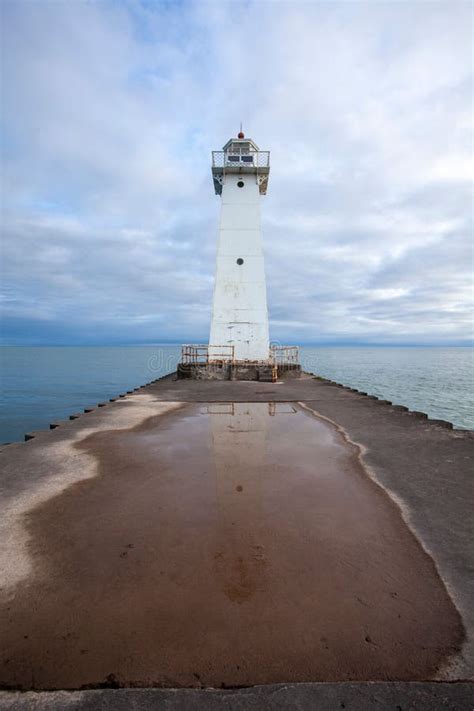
{"x":255,"y":159}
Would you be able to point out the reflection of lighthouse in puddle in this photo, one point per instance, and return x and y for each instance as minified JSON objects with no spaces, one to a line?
{"x":239,"y":445}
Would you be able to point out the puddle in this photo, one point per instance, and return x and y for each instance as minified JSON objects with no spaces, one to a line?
{"x":228,"y":543}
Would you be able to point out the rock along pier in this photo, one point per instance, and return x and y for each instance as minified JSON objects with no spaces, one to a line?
{"x":296,"y":537}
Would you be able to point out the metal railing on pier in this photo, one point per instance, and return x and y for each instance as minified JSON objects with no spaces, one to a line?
{"x":205,"y":353}
{"x":284,"y":355}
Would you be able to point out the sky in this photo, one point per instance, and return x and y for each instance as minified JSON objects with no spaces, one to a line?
{"x":110,"y":111}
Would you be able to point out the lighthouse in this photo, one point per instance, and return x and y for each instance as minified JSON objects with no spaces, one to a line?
{"x":239,"y":326}
{"x":239,"y":346}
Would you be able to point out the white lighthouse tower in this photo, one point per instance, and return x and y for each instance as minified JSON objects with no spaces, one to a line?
{"x":239,"y":347}
{"x":239,"y":327}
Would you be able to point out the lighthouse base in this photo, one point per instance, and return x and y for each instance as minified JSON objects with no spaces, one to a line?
{"x":243,"y":370}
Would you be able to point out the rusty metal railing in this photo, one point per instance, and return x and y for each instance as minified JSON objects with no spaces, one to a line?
{"x":206,"y":353}
{"x":280,"y":355}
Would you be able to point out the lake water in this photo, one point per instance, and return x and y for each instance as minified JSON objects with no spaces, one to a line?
{"x":44,"y":384}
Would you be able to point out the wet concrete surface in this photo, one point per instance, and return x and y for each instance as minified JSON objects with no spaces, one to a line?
{"x":222,"y":544}
{"x":425,"y":467}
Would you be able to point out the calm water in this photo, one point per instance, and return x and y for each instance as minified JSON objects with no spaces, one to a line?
{"x":43,"y":384}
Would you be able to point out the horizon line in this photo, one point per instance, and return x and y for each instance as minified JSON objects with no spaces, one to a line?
{"x":304,"y":344}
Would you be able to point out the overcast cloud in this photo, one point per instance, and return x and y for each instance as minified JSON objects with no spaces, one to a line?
{"x":111,"y":109}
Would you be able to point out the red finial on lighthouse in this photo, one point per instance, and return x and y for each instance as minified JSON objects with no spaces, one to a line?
{"x":241,"y":133}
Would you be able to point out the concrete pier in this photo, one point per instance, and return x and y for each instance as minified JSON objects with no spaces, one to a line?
{"x":232,"y":533}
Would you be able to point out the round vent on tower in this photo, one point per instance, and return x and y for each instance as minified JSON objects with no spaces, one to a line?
{"x":240,"y":184}
{"x":240,"y":261}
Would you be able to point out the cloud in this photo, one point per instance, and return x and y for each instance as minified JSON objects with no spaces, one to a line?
{"x":110,"y":113}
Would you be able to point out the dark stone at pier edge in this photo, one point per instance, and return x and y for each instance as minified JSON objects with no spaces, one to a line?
{"x":238,"y":371}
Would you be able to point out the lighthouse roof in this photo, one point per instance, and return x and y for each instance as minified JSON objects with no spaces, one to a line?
{"x":240,"y":145}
